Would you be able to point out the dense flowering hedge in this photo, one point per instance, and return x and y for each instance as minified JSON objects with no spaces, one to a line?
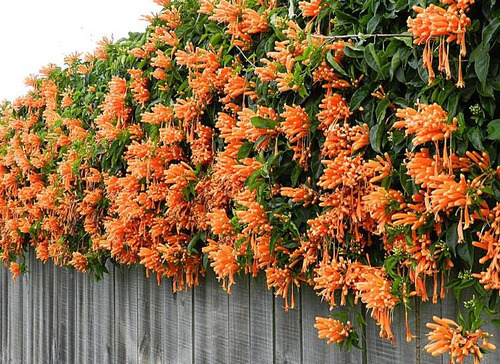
{"x":348,"y":145}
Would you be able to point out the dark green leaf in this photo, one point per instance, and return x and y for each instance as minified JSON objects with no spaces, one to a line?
{"x":263,"y":123}
{"x":493,"y":129}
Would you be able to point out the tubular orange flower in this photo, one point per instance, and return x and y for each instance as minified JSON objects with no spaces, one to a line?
{"x":331,"y":329}
{"x":334,"y":108}
{"x":296,"y":129}
{"x":428,"y":123}
{"x":311,"y":8}
{"x":447,"y":336}
{"x":15,"y":269}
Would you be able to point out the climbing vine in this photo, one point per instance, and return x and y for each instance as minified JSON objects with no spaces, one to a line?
{"x":311,"y":141}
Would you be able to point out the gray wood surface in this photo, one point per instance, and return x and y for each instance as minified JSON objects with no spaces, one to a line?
{"x":238,"y":319}
{"x":288,"y":328}
{"x":56,"y":315}
{"x":211,"y":329}
{"x":151,"y":310}
{"x":261,"y":309}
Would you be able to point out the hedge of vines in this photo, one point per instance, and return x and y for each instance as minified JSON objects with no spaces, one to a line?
{"x":349,"y":145}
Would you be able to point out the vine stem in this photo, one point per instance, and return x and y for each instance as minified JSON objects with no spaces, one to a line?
{"x":382,"y":35}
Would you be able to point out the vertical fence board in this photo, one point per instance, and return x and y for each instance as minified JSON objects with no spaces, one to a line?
{"x":239,"y":321}
{"x":178,"y":324}
{"x":4,"y":318}
{"x":423,"y":314}
{"x":28,"y":311}
{"x":314,"y":349}
{"x":378,"y":349}
{"x":84,"y":317}
{"x":261,"y":321}
{"x":211,"y":326}
{"x":125,"y":315}
{"x":15,"y":327}
{"x":288,"y":331}
{"x":102,"y":332}
{"x":67,"y":330}
{"x":150,"y":323}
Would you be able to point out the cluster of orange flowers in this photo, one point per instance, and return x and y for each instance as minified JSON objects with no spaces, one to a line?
{"x":445,"y":26}
{"x":448,"y":336}
{"x":167,"y":174}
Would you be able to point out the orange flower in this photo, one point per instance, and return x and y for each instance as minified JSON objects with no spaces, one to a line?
{"x":302,"y":194}
{"x":138,"y":86}
{"x":428,"y":123}
{"x":311,"y":8}
{"x":448,"y":336}
{"x":296,"y":129}
{"x":80,"y":262}
{"x":331,"y":329}
{"x":280,"y":279}
{"x":329,"y":277}
{"x":446,"y":26}
{"x":224,"y":261}
{"x":15,"y":269}
{"x":334,"y":108}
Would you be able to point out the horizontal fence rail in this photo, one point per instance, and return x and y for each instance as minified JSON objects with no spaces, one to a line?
{"x":56,"y":315}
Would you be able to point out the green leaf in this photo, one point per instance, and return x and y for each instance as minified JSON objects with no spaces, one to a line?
{"x":482,"y":66}
{"x":353,"y":51}
{"x":475,"y":138}
{"x":335,"y":65}
{"x":464,"y":252}
{"x":376,"y":135}
{"x":263,"y":123}
{"x":244,"y":150}
{"x":372,"y":58}
{"x":359,"y":96}
{"x":493,"y":129}
{"x":452,"y":238}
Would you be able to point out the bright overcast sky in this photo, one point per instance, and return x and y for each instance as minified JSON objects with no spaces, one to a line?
{"x":38,"y":32}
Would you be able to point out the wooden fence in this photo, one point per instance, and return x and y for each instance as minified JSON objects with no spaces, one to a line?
{"x":56,"y":315}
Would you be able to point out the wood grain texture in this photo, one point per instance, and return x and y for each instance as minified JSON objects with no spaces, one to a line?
{"x":288,"y":332}
{"x":102,"y":332}
{"x":261,"y":321}
{"x":423,"y":314}
{"x":314,"y":349}
{"x":238,"y":320}
{"x":178,"y":325}
{"x":151,"y":312}
{"x":125,"y":315}
{"x":378,"y":350}
{"x":66,"y":303}
{"x":15,"y":327}
{"x":211,"y":340}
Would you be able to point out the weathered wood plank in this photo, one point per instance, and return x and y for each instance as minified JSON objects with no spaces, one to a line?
{"x":178,"y":325}
{"x":28,"y":310}
{"x":261,"y":321}
{"x":67,"y":329}
{"x":379,"y":350}
{"x":102,"y":331}
{"x":314,"y":349}
{"x":288,"y":331}
{"x":211,"y":327}
{"x":239,"y":321}
{"x":151,"y":311}
{"x":125,"y":315}
{"x":424,"y":311}
{"x":84,"y":317}
{"x":4,"y":318}
{"x":15,"y":324}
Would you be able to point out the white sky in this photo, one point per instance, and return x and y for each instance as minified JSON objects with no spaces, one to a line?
{"x":37,"y":32}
